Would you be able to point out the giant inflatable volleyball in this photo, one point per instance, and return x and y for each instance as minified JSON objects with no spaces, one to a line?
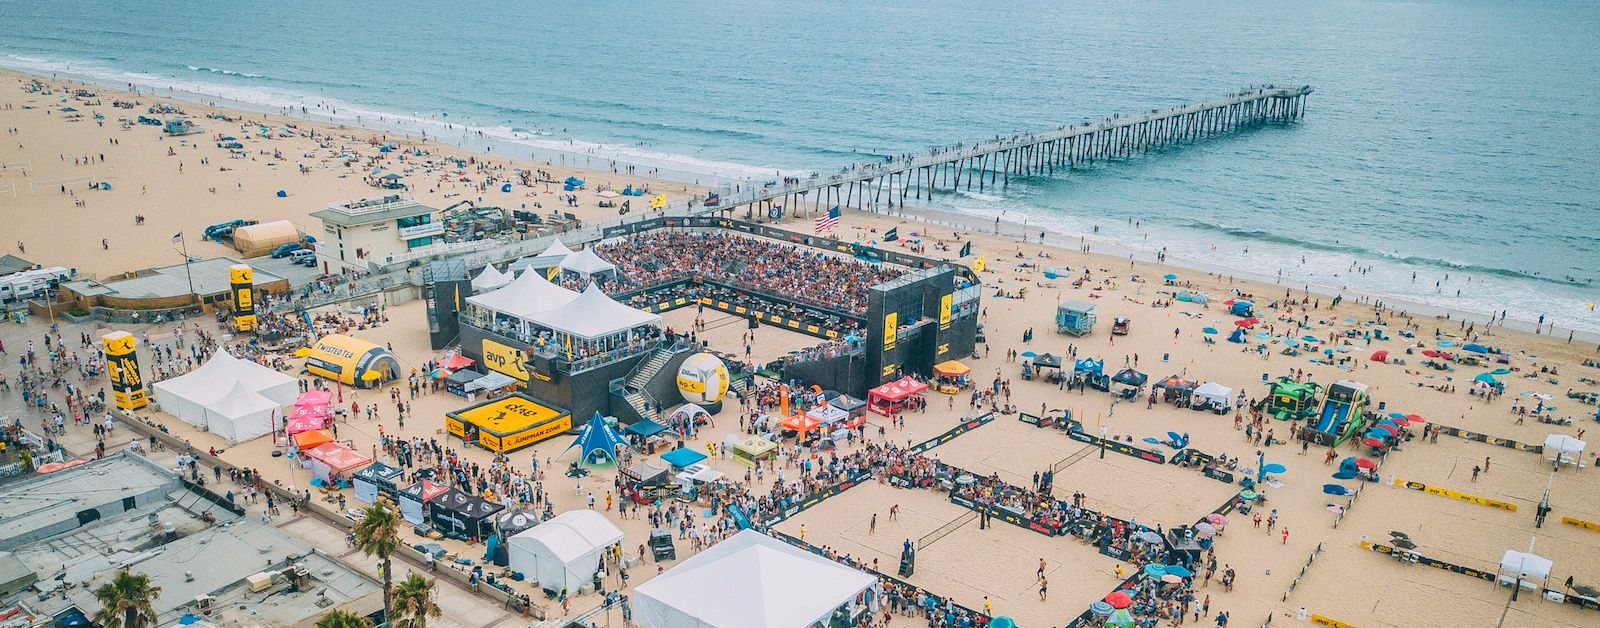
{"x":703,"y":379}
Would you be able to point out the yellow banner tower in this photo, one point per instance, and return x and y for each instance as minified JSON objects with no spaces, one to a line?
{"x":122,"y":366}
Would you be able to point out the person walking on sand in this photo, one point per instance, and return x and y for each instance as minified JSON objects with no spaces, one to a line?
{"x":1285,"y":535}
{"x":872,"y":527}
{"x":1475,"y":470}
{"x":1044,"y":588}
{"x":1485,"y":464}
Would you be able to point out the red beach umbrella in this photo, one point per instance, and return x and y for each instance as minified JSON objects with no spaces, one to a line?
{"x":1392,"y":430}
{"x":1415,"y":418}
{"x":1118,"y":599}
{"x":1366,"y":463}
{"x":1371,"y":442}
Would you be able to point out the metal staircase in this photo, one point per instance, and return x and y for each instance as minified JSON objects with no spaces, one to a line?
{"x":632,"y":388}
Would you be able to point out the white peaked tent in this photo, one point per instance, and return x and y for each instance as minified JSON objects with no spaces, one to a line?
{"x":1214,"y":392}
{"x":189,"y":395}
{"x":587,"y":263}
{"x":489,"y":279}
{"x":1564,"y":448}
{"x":593,"y":315}
{"x":563,"y":551}
{"x":750,"y":580}
{"x":530,"y":293}
{"x":241,"y":414}
{"x":550,"y":258}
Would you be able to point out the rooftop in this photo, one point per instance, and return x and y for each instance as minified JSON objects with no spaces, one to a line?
{"x":376,"y":209}
{"x":185,"y":555}
{"x":10,"y":264}
{"x":210,"y":277}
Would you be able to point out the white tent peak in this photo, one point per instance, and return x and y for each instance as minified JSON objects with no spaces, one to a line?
{"x":556,"y":249}
{"x":592,"y":314}
{"x":490,"y":278}
{"x":586,"y":262}
{"x":528,"y":294}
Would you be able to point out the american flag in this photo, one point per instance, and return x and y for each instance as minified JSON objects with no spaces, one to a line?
{"x":824,"y":223}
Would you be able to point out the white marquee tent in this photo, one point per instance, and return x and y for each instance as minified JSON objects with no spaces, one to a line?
{"x":550,"y":258}
{"x":1214,"y":392}
{"x":490,"y":278}
{"x":563,"y":551}
{"x":750,"y":580}
{"x":1532,"y":569}
{"x":1565,"y":448}
{"x":587,"y":263}
{"x":189,"y":396}
{"x":593,"y":315}
{"x":241,"y":414}
{"x":529,"y":294}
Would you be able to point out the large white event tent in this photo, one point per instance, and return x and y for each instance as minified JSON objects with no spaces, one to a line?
{"x":241,"y":414}
{"x":529,"y":294}
{"x":543,"y":262}
{"x":564,"y":551}
{"x":191,"y":396}
{"x":490,"y":278}
{"x":587,"y":263}
{"x":593,"y":315}
{"x":750,"y":580}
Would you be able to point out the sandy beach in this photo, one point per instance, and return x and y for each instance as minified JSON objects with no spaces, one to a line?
{"x":1344,"y":583}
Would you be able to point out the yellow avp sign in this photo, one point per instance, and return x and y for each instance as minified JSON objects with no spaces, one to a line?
{"x":506,"y":360}
{"x":241,"y":284}
{"x":122,"y":367}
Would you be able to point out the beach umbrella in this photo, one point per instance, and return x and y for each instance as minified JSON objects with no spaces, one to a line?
{"x":1171,"y":579}
{"x":1335,"y":489}
{"x":1263,"y":335}
{"x":1415,"y":418}
{"x":1390,"y":429}
{"x":1002,"y":622}
{"x":1405,"y":544}
{"x":1029,"y":354}
{"x":1397,"y":415}
{"x":1119,"y":599}
{"x":1155,"y":571}
{"x":1344,"y":474}
{"x":1148,"y":537}
{"x":1169,"y":276}
{"x":1179,"y":571}
{"x":1366,"y":463}
{"x":1398,"y":534}
{"x":1120,"y":619}
{"x":1486,"y":378}
{"x":1100,"y":607}
{"x":1372,"y":442}
{"x":1274,"y":468}
{"x":1209,"y":331}
{"x":1309,"y":338}
{"x":1205,"y":528}
{"x":1230,"y":302}
{"x":1291,"y":342}
{"x":1217,"y":519}
{"x":1248,"y":495}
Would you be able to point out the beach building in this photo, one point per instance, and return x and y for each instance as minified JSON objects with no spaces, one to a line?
{"x":11,"y":264}
{"x":165,"y":287}
{"x":66,"y":533}
{"x":374,"y":229}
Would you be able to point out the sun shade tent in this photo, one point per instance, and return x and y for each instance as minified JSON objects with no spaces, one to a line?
{"x":489,"y":279}
{"x":1531,"y":567}
{"x":1213,"y":392}
{"x":241,"y":414}
{"x":306,"y":418}
{"x":187,"y":396}
{"x":508,"y":523}
{"x":461,"y":513}
{"x":311,"y":439}
{"x":682,"y":457}
{"x":329,"y":458}
{"x":529,"y":294}
{"x":587,"y":263}
{"x":414,"y":499}
{"x":645,"y":428}
{"x":593,"y":315}
{"x":564,"y":551}
{"x":552,"y":257}
{"x":1046,"y":360}
{"x":492,"y":381}
{"x":951,"y":368}
{"x":597,"y":439}
{"x":1558,"y":446}
{"x":748,"y":581}
{"x":885,"y":399}
{"x":376,"y":479}
{"x":826,"y":415}
{"x":1130,"y":377}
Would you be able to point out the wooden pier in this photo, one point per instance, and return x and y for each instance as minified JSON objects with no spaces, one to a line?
{"x":982,"y":165}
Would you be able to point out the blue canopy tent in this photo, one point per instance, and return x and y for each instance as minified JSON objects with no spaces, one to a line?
{"x":1089,"y":365}
{"x":682,"y":457}
{"x":1237,"y":336}
{"x":1240,"y":308}
{"x":598,"y":441}
{"x":645,"y":428}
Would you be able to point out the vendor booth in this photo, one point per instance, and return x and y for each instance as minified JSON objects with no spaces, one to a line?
{"x":761,"y":582}
{"x":456,"y":382}
{"x":492,"y":384}
{"x":414,"y":500}
{"x":951,"y":377}
{"x":598,"y":441}
{"x":374,"y":480}
{"x":687,"y":418}
{"x":894,"y":396}
{"x":682,"y":457}
{"x":694,"y":475}
{"x":749,"y":449}
{"x":856,"y":408}
{"x":459,"y":514}
{"x":352,"y":361}
{"x":1075,"y":317}
{"x":1175,"y":389}
{"x":1092,"y":373}
{"x":507,"y":423}
{"x":1129,"y":382}
{"x":1530,"y":570}
{"x":565,"y":551}
{"x":304,"y":418}
{"x":645,"y":482}
{"x":647,"y":436}
{"x":332,"y":463}
{"x":311,"y":439}
{"x":1212,"y":396}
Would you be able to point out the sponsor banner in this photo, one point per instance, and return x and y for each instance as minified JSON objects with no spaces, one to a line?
{"x":944,"y":311}
{"x":1492,"y":440}
{"x":122,"y":368}
{"x":1579,"y":523}
{"x":424,"y":229}
{"x":818,"y":497}
{"x":958,"y":430}
{"x":506,"y":360}
{"x":1431,"y":562}
{"x":1119,"y":447}
{"x":1452,"y":494}
{"x":1329,"y":621}
{"x":241,"y":283}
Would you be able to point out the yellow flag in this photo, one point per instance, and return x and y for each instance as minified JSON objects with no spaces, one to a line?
{"x":978,"y":264}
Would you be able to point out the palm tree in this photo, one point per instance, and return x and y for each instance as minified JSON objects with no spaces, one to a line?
{"x":337,"y":618}
{"x":126,"y":601}
{"x":378,"y":534}
{"x":413,"y":603}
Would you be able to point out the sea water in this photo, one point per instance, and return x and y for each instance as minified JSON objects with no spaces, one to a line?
{"x":1456,"y":142}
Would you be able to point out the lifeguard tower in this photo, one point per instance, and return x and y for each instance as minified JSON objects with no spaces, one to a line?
{"x":180,"y":126}
{"x":1075,"y":317}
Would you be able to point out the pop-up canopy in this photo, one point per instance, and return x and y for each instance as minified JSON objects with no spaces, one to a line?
{"x":329,"y":458}
{"x":1530,"y":566}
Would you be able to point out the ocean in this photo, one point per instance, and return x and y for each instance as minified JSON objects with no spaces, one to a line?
{"x":1450,"y":155}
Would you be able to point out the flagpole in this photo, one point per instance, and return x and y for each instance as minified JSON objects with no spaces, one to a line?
{"x":186,"y":272}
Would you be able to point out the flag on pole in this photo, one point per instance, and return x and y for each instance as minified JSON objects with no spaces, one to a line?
{"x":966,"y":249}
{"x":824,"y":223}
{"x":891,"y":235}
{"x":177,"y":237}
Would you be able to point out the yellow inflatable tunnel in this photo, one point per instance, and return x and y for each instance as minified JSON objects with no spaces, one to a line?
{"x":352,"y":361}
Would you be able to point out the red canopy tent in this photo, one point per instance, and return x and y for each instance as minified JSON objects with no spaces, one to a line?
{"x":455,"y":362}
{"x":314,"y":398}
{"x":333,"y":458}
{"x":890,"y":397}
{"x":306,"y":418}
{"x":801,"y":423}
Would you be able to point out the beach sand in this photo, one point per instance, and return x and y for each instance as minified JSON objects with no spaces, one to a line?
{"x":1346,"y":583}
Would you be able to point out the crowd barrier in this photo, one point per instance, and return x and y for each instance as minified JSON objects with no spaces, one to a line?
{"x":1293,"y":584}
{"x":1453,"y":494}
{"x":1492,"y":440}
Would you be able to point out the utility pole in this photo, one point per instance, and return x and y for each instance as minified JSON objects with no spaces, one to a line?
{"x":186,"y":272}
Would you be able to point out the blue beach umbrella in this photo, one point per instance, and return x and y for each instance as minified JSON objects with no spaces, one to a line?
{"x":1155,"y":571}
{"x":1248,"y":494}
{"x":1309,"y":338}
{"x":1335,"y":489}
{"x":1274,"y":468}
{"x":1397,"y":415}
{"x":1345,"y":474}
{"x":1209,"y":331}
{"x":1029,"y":354}
{"x":1169,"y":277}
{"x":1100,"y":607}
{"x":1179,"y":571}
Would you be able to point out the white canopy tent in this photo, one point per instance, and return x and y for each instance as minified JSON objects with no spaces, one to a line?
{"x":750,"y":580}
{"x":1565,"y":448}
{"x":587,"y":263}
{"x":827,"y":414}
{"x":241,"y":414}
{"x":1532,"y":567}
{"x":550,"y":258}
{"x":529,"y":294}
{"x":489,"y":279}
{"x":564,"y":551}
{"x":188,"y":396}
{"x":1214,"y":392}
{"x":593,"y":315}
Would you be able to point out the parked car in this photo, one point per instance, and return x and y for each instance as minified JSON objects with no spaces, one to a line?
{"x":285,"y":250}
